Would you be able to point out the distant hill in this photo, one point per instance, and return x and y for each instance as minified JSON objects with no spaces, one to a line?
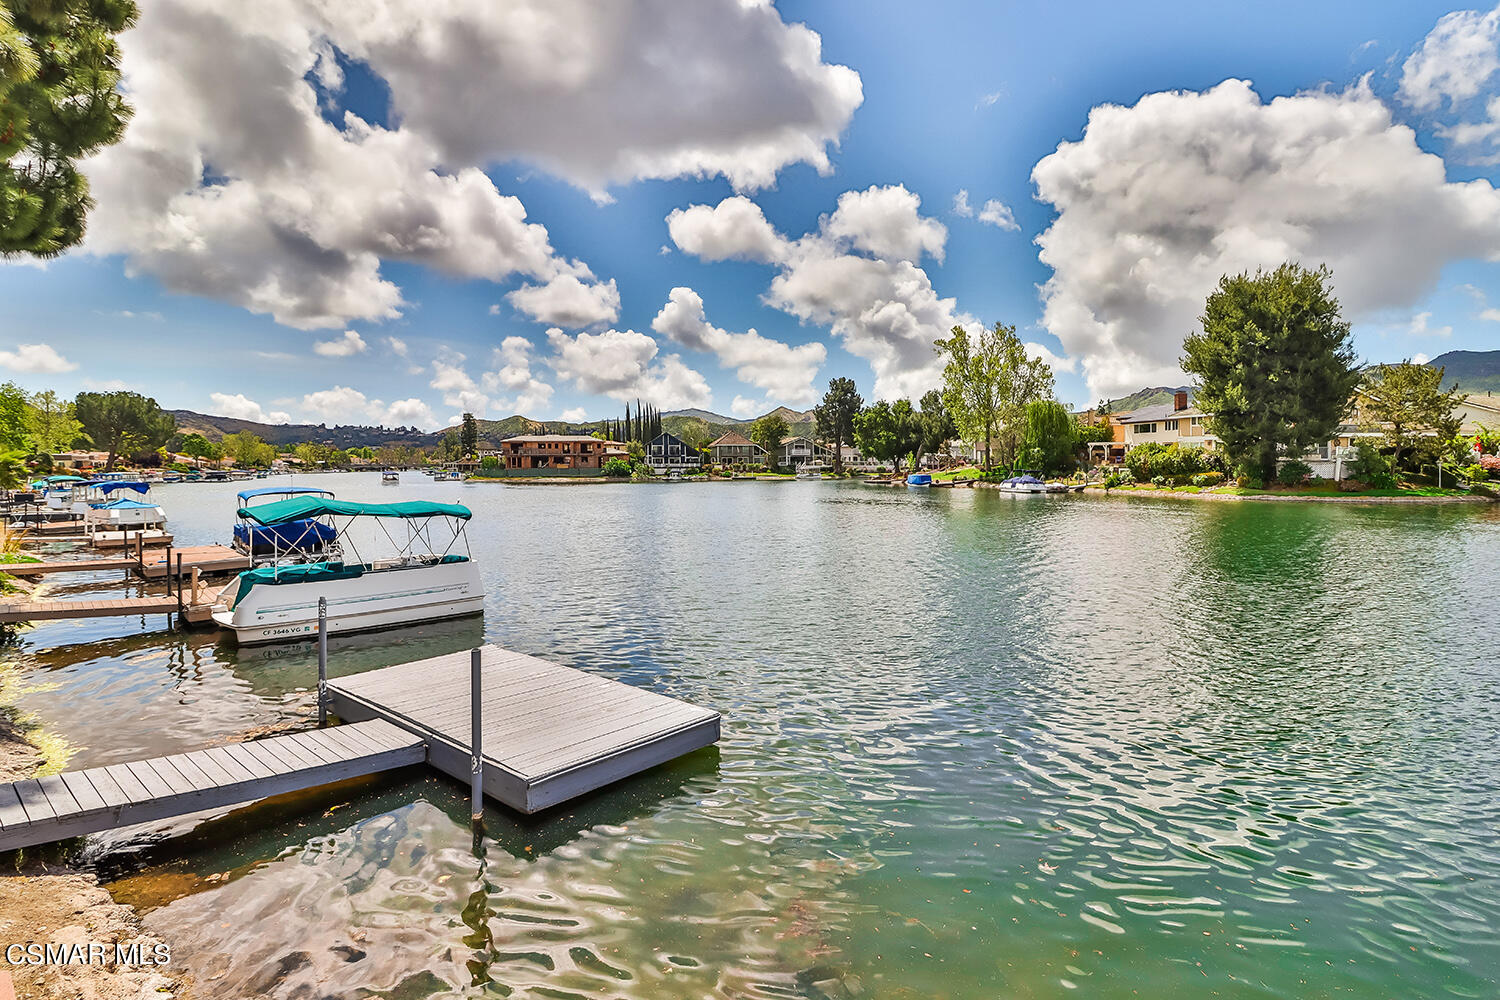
{"x":341,"y":436}
{"x":707,"y":416}
{"x":1153,"y":396}
{"x":1476,"y":371}
{"x":678,"y":422}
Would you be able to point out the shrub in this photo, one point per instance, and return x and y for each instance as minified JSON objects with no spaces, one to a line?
{"x":1112,"y":480}
{"x":1208,"y":479}
{"x":1158,"y":480}
{"x":1474,"y":473}
{"x":1250,"y":482}
{"x":1293,"y":473}
{"x":617,"y":468}
{"x":1490,"y":463}
{"x":489,"y":462}
{"x":1371,"y":467}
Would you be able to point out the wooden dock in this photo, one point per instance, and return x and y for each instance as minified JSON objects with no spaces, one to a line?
{"x":12,"y":612}
{"x":550,"y":733}
{"x":41,"y":810}
{"x":206,"y":559}
{"x":128,"y":539}
{"x":67,"y":566}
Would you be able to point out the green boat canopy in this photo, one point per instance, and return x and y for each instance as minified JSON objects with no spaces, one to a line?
{"x":304,"y":507}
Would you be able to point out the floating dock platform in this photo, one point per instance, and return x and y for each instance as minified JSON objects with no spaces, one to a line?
{"x":550,"y":733}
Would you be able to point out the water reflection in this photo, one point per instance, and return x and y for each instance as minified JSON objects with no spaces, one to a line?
{"x":975,"y":745}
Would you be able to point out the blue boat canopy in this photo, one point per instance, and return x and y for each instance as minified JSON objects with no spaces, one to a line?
{"x":300,"y":508}
{"x":285,"y":491}
{"x":1026,"y":480}
{"x":113,"y":485}
{"x":53,"y":480}
{"x":123,"y":504}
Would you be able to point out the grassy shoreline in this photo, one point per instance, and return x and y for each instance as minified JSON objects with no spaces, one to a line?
{"x":1419,"y":495}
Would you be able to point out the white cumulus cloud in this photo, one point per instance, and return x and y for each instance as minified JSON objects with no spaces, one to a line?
{"x":522,"y":391}
{"x":36,"y":359}
{"x":624,"y":364}
{"x":855,"y":273}
{"x":596,"y":91}
{"x":346,"y":346}
{"x":1454,"y":62}
{"x":735,"y":228}
{"x":1160,"y":199}
{"x":241,"y":407}
{"x":411,"y":412}
{"x":341,"y":405}
{"x":997,"y":213}
{"x":568,"y":301}
{"x":783,"y":371}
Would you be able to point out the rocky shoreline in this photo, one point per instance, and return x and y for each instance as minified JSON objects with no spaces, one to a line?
{"x":1289,"y":498}
{"x":50,"y":902}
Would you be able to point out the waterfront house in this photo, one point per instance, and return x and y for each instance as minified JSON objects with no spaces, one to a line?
{"x":554,"y":451}
{"x":735,"y":449}
{"x":797,"y":451}
{"x":668,"y":452}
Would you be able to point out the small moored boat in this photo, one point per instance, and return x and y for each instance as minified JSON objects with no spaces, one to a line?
{"x":279,"y":601}
{"x":390,"y":477}
{"x":1024,"y":484}
{"x":919,"y":479}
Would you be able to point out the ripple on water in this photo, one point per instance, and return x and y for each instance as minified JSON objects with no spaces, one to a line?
{"x":974,"y":746}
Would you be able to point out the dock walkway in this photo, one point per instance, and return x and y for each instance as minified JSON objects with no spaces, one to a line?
{"x":41,"y":810}
{"x":66,"y":566}
{"x":13,"y":612}
{"x":550,"y":733}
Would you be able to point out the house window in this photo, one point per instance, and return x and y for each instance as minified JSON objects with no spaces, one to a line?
{"x":1145,"y":429}
{"x":1197,"y":423}
{"x":1170,"y":425}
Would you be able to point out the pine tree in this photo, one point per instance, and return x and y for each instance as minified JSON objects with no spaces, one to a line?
{"x":59,"y":102}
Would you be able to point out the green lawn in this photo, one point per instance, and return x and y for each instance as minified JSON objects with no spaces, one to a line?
{"x":967,"y":472}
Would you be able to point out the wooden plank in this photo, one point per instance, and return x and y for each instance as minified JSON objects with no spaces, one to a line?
{"x":128,"y":782}
{"x":236,"y":770}
{"x":109,"y":790}
{"x":156,"y":788}
{"x":34,"y":800}
{"x":82,"y":790}
{"x":12,"y":813}
{"x":241,"y":755}
{"x":216,"y":772}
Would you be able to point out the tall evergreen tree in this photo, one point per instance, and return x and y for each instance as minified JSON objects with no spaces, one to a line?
{"x":59,"y":102}
{"x":835,"y":417}
{"x":1275,"y":364}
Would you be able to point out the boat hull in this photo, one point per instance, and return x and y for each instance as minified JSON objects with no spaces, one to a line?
{"x":378,"y":599}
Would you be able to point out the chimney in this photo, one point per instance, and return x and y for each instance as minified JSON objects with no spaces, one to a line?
{"x":1179,"y":401}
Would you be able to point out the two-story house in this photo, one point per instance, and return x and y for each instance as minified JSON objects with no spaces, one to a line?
{"x":667,"y":452}
{"x":797,"y":451}
{"x":554,"y":451}
{"x":735,"y":449}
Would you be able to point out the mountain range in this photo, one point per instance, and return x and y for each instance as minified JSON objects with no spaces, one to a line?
{"x":1477,"y":371}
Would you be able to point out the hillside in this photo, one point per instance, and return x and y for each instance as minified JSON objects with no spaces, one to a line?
{"x":1153,"y":396}
{"x":679,"y":422}
{"x":342,"y":436}
{"x":1476,"y":371}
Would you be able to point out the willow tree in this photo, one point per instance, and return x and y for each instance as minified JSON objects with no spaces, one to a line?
{"x":1275,"y":365}
{"x":59,"y":71}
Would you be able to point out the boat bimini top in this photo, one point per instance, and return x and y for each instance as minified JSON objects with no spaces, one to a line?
{"x":279,"y":491}
{"x":416,"y":515}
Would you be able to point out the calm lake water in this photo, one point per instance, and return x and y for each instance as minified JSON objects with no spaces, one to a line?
{"x":975,"y":745}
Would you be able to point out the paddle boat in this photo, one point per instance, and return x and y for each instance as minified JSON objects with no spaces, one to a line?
{"x":918,"y":479}
{"x":422,"y":582}
{"x":307,"y":540}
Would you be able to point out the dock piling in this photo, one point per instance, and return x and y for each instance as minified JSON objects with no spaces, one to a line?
{"x":476,"y":737}
{"x":322,"y":662}
{"x":168,"y":565}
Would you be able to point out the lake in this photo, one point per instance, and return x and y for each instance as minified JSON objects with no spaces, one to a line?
{"x":975,"y":745}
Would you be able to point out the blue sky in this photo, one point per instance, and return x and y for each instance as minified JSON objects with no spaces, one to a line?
{"x":190,"y":294}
